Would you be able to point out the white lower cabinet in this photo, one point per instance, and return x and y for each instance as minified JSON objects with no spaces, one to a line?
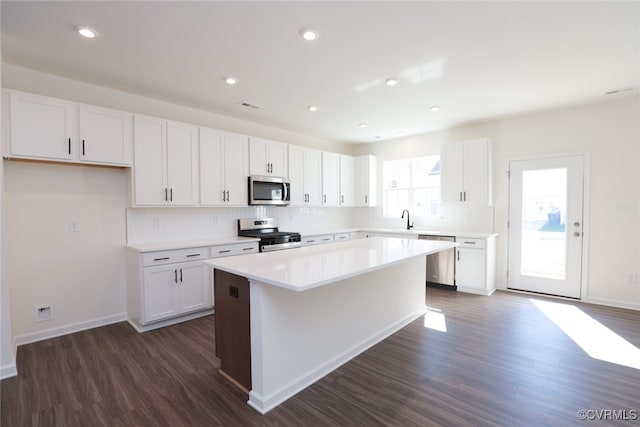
{"x":475,"y":265}
{"x":171,"y":286}
{"x":317,"y":240}
{"x":174,"y":289}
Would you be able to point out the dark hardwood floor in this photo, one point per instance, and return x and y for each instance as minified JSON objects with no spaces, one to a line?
{"x":501,"y":362}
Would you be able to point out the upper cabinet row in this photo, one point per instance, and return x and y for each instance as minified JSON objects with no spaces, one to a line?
{"x":179,"y":164}
{"x":52,"y":129}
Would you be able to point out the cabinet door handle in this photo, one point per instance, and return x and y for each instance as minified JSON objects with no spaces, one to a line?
{"x":161,"y":259}
{"x":366,"y":198}
{"x":227,"y":195}
{"x":248,"y":249}
{"x":166,"y":194}
{"x":171,"y":195}
{"x":310,"y":241}
{"x":326,"y":239}
{"x":69,"y":146}
{"x":223,"y":196}
{"x":83,"y":148}
{"x":175,"y":275}
{"x":225,"y":251}
{"x":180,"y":275}
{"x":342,"y":199}
{"x":192,"y":255}
{"x":464,"y":193}
{"x":458,"y":254}
{"x":469,"y":243}
{"x":324,"y":199}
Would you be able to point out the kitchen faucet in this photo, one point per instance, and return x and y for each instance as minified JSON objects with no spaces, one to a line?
{"x":409,"y":225}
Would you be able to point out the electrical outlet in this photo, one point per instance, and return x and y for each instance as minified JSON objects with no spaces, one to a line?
{"x":632,"y":278}
{"x":74,"y":226}
{"x":44,"y":313}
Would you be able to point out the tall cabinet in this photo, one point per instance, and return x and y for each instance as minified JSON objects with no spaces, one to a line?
{"x":366,"y":181}
{"x":165,"y":163}
{"x":305,"y":175}
{"x":224,"y":167}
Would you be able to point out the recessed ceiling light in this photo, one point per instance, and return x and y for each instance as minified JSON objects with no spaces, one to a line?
{"x":391,"y":81}
{"x":312,"y":108}
{"x":309,"y":34}
{"x":87,"y":32}
{"x":434,"y":108}
{"x":362,"y":125}
{"x":230,"y":80}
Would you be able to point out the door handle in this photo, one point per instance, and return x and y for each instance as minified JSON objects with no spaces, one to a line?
{"x":577,"y":233}
{"x":576,"y":224}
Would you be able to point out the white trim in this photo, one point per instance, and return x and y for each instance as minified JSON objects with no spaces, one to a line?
{"x":168,"y":322}
{"x":476,"y":291}
{"x":8,"y":371}
{"x":264,"y":404}
{"x":613,"y":303}
{"x":69,"y":329}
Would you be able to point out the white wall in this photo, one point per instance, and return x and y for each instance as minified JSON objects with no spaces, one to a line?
{"x":81,"y":275}
{"x":610,"y":131}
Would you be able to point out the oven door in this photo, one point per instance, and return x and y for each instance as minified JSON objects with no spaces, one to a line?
{"x":267,"y":190}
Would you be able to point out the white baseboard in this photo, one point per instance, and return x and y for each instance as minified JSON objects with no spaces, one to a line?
{"x":264,"y":404}
{"x":69,"y":329}
{"x":613,"y":303}
{"x":161,"y":324}
{"x":485,"y":292}
{"x":8,"y":371}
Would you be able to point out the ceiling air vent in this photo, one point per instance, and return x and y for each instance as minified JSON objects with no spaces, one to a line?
{"x":246,"y":104}
{"x":613,"y":92}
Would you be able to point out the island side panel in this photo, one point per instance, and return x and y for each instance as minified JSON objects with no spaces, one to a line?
{"x":233,"y":327}
{"x":298,"y":337}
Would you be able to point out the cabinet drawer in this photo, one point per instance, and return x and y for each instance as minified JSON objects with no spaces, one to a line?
{"x":468,"y":242}
{"x":233,"y":249}
{"x":340,"y":237}
{"x":178,"y":255}
{"x":317,"y":240}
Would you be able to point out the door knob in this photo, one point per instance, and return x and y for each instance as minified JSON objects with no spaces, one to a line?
{"x":576,"y":224}
{"x":576,"y":233}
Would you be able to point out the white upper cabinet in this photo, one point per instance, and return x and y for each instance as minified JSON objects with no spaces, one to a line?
{"x":224,"y":164}
{"x":105,"y":135}
{"x":165,"y":163}
{"x":267,"y":157}
{"x":466,"y":176}
{"x":330,"y":179}
{"x":54,"y":129}
{"x":366,"y":181}
{"x":305,"y":175}
{"x":347,"y":181}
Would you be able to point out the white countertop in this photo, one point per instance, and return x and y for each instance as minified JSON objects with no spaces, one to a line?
{"x":400,"y":231}
{"x":309,"y":267}
{"x":185,"y":244}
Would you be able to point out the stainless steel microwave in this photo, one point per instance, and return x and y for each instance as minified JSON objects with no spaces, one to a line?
{"x":269,"y":190}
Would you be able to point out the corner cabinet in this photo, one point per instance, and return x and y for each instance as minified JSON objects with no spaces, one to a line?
{"x":466,"y":172}
{"x":366,"y":179}
{"x":224,"y":167}
{"x":165,"y":170}
{"x":267,"y":157}
{"x":475,"y":265}
{"x":305,"y":175}
{"x":44,"y":128}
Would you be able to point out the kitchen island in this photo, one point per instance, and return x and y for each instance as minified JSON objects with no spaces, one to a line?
{"x":285,"y":319}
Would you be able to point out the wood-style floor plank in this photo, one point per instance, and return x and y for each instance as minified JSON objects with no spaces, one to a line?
{"x":501,"y":362}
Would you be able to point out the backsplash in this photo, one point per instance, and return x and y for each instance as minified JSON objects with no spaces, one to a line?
{"x":176,"y":224}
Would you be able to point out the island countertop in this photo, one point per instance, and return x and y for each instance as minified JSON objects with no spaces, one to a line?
{"x":313,"y":266}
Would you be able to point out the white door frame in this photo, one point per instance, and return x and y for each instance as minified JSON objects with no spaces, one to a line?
{"x":586,"y":200}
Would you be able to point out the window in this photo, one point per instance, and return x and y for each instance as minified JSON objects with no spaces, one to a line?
{"x":412,"y":184}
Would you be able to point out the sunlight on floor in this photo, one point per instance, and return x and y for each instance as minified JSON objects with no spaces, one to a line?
{"x":434,"y":319}
{"x":593,"y":337}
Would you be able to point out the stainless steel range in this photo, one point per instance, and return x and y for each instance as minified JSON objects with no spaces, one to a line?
{"x":266,"y":229}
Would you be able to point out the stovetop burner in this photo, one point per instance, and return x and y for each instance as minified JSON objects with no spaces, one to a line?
{"x":266,"y":229}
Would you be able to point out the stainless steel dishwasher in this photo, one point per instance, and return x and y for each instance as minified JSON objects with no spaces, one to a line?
{"x":441,"y":266}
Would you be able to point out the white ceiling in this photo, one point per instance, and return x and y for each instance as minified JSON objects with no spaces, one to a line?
{"x":475,"y":60}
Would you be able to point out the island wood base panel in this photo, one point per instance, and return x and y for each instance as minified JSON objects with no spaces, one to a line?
{"x":299,"y":337}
